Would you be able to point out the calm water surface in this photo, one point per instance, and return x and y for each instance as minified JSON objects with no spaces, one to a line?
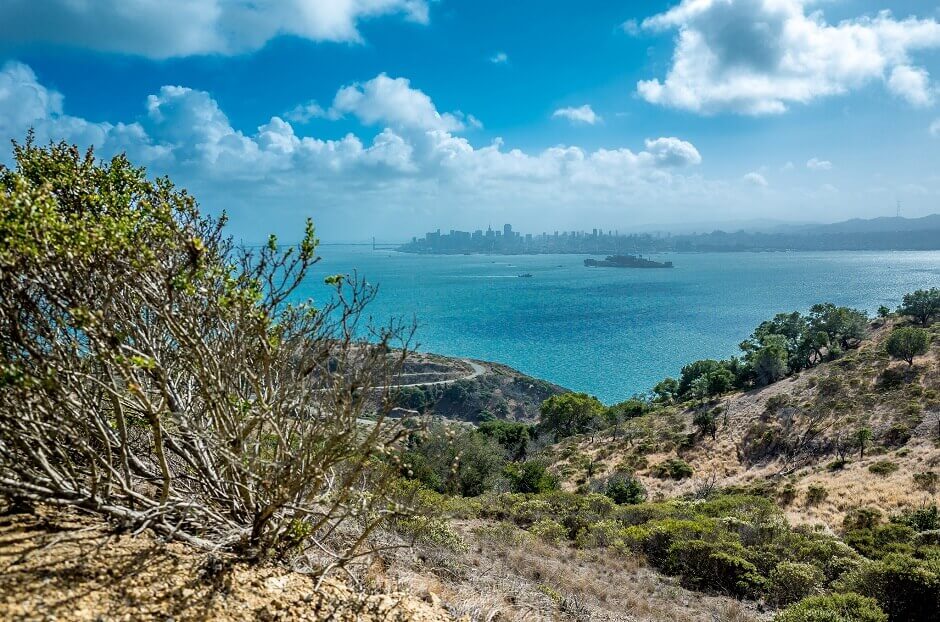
{"x":607,"y":331}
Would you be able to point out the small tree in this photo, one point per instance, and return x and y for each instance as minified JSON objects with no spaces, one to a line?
{"x":625,"y":489}
{"x":862,"y":438}
{"x":666,"y":391}
{"x":706,"y":423}
{"x":570,"y":413}
{"x":884,"y":312}
{"x":907,"y":342}
{"x":922,"y":305}
{"x":770,"y":361}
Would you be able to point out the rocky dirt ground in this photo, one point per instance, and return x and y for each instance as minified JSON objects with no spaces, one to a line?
{"x":61,"y":565}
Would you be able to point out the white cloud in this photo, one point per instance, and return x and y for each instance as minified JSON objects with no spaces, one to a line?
{"x":787,"y":167}
{"x":581,"y":114}
{"x":815,"y":164}
{"x":500,"y":58}
{"x":631,"y":27}
{"x":302,"y":113}
{"x":911,"y":84}
{"x":935,"y":128}
{"x":756,"y":179}
{"x":25,"y":104}
{"x":414,"y":162}
{"x":170,"y":28}
{"x":392,"y":101}
{"x":673,"y":152}
{"x":760,"y":56}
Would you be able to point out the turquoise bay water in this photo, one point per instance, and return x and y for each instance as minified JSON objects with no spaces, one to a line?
{"x":613,"y":332}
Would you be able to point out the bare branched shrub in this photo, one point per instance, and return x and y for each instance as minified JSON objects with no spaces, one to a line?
{"x":156,"y":374}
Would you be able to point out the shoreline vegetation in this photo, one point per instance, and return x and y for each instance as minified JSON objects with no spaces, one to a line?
{"x":158,"y":390}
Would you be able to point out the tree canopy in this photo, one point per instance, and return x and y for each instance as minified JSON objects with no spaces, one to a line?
{"x":570,"y":413}
{"x":922,"y":305}
{"x":907,"y":342}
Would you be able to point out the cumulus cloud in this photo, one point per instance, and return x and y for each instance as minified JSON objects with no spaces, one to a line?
{"x":500,"y":58}
{"x":414,"y":161}
{"x":815,"y":164}
{"x":582,"y":114}
{"x":761,"y":56}
{"x":392,"y":101}
{"x":673,"y":152}
{"x":756,"y":179}
{"x":170,"y":28}
{"x":911,"y":84}
{"x":25,"y":104}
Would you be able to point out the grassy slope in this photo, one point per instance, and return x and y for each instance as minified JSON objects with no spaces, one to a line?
{"x":847,"y":393}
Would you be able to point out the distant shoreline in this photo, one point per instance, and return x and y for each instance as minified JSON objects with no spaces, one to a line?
{"x":682,"y":252}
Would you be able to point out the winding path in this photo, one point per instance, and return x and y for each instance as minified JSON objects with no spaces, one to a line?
{"x":478,"y":370}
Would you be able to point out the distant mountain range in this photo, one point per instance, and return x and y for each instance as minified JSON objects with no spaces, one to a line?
{"x":886,"y":233}
{"x":885,"y":224}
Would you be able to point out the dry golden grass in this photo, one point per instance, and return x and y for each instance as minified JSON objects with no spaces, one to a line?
{"x":860,"y":401}
{"x":515,"y":577}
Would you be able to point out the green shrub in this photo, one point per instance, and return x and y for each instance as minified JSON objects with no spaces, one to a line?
{"x":624,"y":489}
{"x":531,"y":477}
{"x":925,"y":518}
{"x":606,"y":533}
{"x":907,"y":589}
{"x":430,"y":531}
{"x":833,"y":608}
{"x":861,"y":518}
{"x":816,"y":494}
{"x":548,"y":530}
{"x":714,"y":565}
{"x":883,"y":467}
{"x":792,"y":581}
{"x":832,"y":556}
{"x":881,"y":540}
{"x":897,"y":435}
{"x":503,"y":534}
{"x":787,"y":493}
{"x":673,"y":468}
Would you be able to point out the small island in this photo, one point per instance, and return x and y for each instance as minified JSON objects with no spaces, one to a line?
{"x":626,"y":261}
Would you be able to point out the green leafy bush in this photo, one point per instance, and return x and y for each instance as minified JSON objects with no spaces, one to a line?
{"x":883,"y":467}
{"x":548,"y":530}
{"x":673,"y":468}
{"x":816,"y":494}
{"x":532,"y":476}
{"x":907,"y":589}
{"x":714,"y":565}
{"x":881,"y":540}
{"x":925,"y":518}
{"x":793,"y":581}
{"x":625,"y":489}
{"x":833,"y":608}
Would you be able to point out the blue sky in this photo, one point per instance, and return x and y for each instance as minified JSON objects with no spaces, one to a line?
{"x":389,"y":117}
